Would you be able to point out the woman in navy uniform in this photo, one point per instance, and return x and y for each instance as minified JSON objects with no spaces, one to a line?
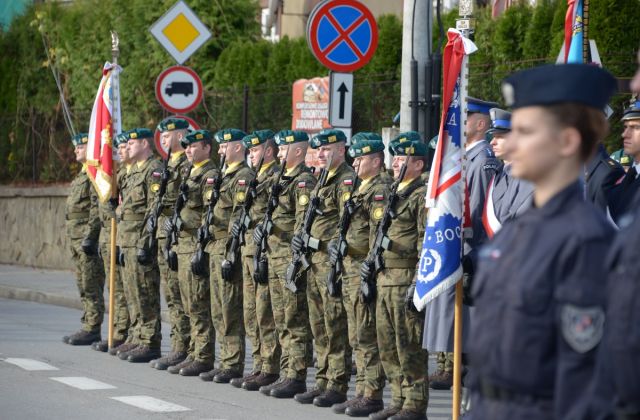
{"x":540,"y":287}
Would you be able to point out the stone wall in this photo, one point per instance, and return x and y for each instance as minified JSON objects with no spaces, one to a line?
{"x":32,"y":227}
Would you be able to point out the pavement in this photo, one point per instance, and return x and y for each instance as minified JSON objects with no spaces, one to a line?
{"x":58,"y":288}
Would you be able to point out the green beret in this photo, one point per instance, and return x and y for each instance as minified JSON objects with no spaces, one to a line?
{"x":363,"y":144}
{"x":407,"y":136}
{"x":120,"y":139}
{"x":328,"y":136}
{"x":285,"y":137}
{"x":229,"y":134}
{"x":170,"y":124}
{"x":408,"y":148}
{"x":196,"y":136}
{"x":80,"y":139}
{"x":139,"y":134}
{"x":257,"y":138}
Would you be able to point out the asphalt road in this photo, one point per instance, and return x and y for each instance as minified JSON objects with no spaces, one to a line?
{"x":80,"y":383}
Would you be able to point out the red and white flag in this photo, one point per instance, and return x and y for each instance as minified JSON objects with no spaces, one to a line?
{"x":104,"y":126}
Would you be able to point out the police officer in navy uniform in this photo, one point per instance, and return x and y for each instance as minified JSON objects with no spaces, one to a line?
{"x":539,"y":290}
{"x":601,"y":175}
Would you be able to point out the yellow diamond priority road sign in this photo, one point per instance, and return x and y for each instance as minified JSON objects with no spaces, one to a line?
{"x":180,"y":32}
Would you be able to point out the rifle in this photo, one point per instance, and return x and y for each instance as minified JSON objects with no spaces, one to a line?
{"x":382,"y":242}
{"x":299,"y":259}
{"x":236,"y":240}
{"x":260,"y":264}
{"x":203,"y":235}
{"x":349,"y":208}
{"x":152,"y":225}
{"x":176,"y":223}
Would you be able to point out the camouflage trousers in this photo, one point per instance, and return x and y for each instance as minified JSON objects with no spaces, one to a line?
{"x":142,"y":285}
{"x":361,"y":319}
{"x":226,"y":309}
{"x":90,"y":282}
{"x":120,"y":308}
{"x":329,"y":327}
{"x":196,"y":302}
{"x":259,"y":317}
{"x":445,"y":362}
{"x":291,"y":316}
{"x":400,"y":343}
{"x":180,"y":329}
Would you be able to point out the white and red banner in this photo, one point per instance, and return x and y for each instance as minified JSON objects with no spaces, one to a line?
{"x":104,"y":125}
{"x":440,"y":261}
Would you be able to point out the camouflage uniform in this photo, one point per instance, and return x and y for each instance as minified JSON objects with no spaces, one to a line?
{"x":290,"y":310}
{"x":195,"y":289}
{"x":142,"y":282}
{"x":370,"y":198}
{"x":226,"y":296}
{"x":399,"y":330}
{"x":326,"y":314}
{"x":180,"y":329}
{"x":259,"y":327}
{"x":83,"y":221}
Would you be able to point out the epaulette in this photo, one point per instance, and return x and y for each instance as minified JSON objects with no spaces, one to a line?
{"x":612,"y":163}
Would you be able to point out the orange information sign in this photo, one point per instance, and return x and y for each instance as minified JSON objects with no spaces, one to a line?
{"x":311,"y":104}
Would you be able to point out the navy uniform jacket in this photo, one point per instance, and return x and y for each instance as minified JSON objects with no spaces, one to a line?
{"x":482,"y":165}
{"x":622,"y":195}
{"x":540,"y":295}
{"x":601,"y":175}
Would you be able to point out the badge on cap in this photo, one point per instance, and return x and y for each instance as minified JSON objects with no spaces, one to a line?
{"x":303,"y":200}
{"x":133,"y":135}
{"x":582,"y":327}
{"x":227,"y":136}
{"x":171,"y":126}
{"x":332,"y":139}
{"x":289,"y":139}
{"x":255,"y":141}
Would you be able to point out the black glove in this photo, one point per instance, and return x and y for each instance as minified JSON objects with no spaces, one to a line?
{"x":334,"y":252}
{"x":408,"y":299}
{"x":226,"y":270}
{"x":258,"y":234}
{"x":235,"y":229}
{"x":119,"y":257}
{"x":89,"y":247}
{"x":152,"y":223}
{"x":144,"y":256}
{"x":366,"y":269}
{"x":467,"y":280}
{"x":297,"y":243}
{"x":113,"y":203}
{"x":168,"y":226}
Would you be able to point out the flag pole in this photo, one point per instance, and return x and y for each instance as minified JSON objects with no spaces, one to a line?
{"x":586,"y":50}
{"x":115,"y":118}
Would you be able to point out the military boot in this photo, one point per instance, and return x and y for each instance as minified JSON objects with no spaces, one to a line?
{"x":195,"y":368}
{"x":175,"y":369}
{"x":237,"y":382}
{"x":339,"y":408}
{"x":409,"y":415}
{"x":84,"y":338}
{"x":226,"y":375}
{"x":385,"y":414}
{"x":444,"y":382}
{"x":171,"y":359}
{"x":307,"y":397}
{"x":329,"y":398}
{"x":123,"y":355}
{"x":208,"y":376}
{"x":289,"y":388}
{"x":261,"y":380}
{"x":66,"y":338}
{"x":124,"y":347}
{"x":103,"y":345}
{"x":266,"y":390}
{"x":363,"y":407}
{"x":143,"y":354}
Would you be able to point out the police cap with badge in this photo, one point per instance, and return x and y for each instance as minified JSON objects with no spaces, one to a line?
{"x":172,"y":123}
{"x":228,"y":135}
{"x":257,"y":138}
{"x":500,"y":121}
{"x":363,"y":144}
{"x":633,"y":112}
{"x":284,"y":137}
{"x":80,"y":139}
{"x":195,"y":137}
{"x":327,"y":137}
{"x":478,"y":106}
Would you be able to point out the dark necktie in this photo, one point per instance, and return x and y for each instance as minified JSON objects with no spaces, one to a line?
{"x":629,"y":177}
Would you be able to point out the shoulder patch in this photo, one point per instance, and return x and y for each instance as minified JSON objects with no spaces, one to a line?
{"x":302,"y":184}
{"x":210,"y":181}
{"x":345,"y":196}
{"x":348,"y":181}
{"x":240,"y":196}
{"x":242,"y":182}
{"x":612,"y":163}
{"x":582,"y":327}
{"x":155,"y":187}
{"x":207,"y":195}
{"x":378,"y":212}
{"x":303,"y":200}
{"x":156,"y":174}
{"x":490,"y":166}
{"x":378,"y":197}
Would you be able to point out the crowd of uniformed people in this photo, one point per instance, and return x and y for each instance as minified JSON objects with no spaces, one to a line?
{"x":265,"y":242}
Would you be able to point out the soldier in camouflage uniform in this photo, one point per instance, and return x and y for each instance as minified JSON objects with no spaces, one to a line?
{"x":368,"y":198}
{"x":226,"y":293}
{"x":172,"y":131}
{"x":289,"y":310}
{"x":260,"y":328}
{"x":194,"y":289}
{"x":83,"y":230}
{"x":398,"y":324}
{"x":141,"y":276}
{"x":107,"y":212}
{"x":326,"y":313}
